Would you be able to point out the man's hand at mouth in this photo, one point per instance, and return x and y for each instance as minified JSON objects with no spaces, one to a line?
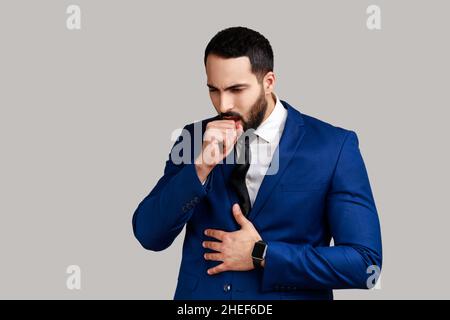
{"x":218,"y":141}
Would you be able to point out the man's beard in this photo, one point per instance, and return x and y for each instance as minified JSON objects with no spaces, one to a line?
{"x":256,"y":116}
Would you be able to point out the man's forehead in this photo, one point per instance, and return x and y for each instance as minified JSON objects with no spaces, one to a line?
{"x":227,"y":72}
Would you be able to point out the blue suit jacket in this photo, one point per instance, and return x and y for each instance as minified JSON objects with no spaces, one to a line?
{"x":321,"y":191}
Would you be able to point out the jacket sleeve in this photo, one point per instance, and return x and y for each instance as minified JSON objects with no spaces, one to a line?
{"x":162,"y":214}
{"x":354,"y":225}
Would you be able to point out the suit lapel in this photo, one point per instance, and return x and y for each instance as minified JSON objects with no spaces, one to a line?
{"x":293,"y":133}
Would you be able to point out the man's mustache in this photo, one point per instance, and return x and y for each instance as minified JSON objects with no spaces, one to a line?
{"x":230,"y":115}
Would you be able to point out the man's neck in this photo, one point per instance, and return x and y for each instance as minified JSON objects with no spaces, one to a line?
{"x":270,"y":106}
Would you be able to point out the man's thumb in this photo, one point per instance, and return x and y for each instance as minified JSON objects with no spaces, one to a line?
{"x":238,"y":215}
{"x":239,"y":130}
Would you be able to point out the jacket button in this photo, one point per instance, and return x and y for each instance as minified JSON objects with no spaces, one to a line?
{"x":227,"y":287}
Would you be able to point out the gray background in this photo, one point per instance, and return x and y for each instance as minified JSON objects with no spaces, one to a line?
{"x":86,"y":118}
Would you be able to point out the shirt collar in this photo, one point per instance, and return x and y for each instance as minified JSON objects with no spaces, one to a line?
{"x":273,"y":125}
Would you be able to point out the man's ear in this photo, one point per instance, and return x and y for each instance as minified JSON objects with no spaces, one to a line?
{"x":269,"y":82}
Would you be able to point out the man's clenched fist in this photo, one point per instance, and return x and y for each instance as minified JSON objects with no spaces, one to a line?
{"x":218,"y":141}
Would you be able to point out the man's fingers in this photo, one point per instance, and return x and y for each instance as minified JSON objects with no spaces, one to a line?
{"x":220,"y":268}
{"x":214,"y":245}
{"x":218,"y":234}
{"x":221,"y":124}
{"x":228,"y":134}
{"x":214,"y":256}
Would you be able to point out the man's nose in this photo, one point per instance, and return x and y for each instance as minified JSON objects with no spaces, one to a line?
{"x":225,"y":104}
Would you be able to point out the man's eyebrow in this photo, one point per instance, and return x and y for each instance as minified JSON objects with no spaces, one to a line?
{"x":234,"y":86}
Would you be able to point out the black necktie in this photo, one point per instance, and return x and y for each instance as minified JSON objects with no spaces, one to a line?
{"x":237,"y":178}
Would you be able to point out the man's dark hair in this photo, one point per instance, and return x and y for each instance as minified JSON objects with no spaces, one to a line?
{"x":237,"y":42}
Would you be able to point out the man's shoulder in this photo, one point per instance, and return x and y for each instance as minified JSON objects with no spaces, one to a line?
{"x":321,"y":129}
{"x":314,"y":123}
